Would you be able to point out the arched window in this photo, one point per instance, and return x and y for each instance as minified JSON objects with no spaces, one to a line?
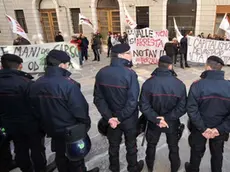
{"x":184,"y":12}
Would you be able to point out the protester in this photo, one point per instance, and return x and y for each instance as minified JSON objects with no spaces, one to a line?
{"x":17,"y":118}
{"x":59,"y":37}
{"x":21,"y":41}
{"x":99,"y":37}
{"x":109,"y":43}
{"x":209,"y":113}
{"x":60,"y":106}
{"x":163,"y":102}
{"x":183,"y":51}
{"x":96,"y":47}
{"x":116,"y":94}
{"x":76,"y":40}
{"x":84,"y":47}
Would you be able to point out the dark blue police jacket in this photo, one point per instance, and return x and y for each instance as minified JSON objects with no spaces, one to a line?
{"x":163,"y":95}
{"x":116,"y":92}
{"x":209,"y":102}
{"x":58,"y":102}
{"x":15,"y":111}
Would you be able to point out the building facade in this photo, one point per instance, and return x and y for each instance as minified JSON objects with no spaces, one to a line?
{"x":44,"y":18}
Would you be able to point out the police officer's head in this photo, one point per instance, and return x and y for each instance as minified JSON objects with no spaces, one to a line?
{"x":11,"y":61}
{"x":165,"y":62}
{"x":58,"y":58}
{"x":214,"y":63}
{"x":122,"y":51}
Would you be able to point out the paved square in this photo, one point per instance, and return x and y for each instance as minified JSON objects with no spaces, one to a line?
{"x":98,"y":155}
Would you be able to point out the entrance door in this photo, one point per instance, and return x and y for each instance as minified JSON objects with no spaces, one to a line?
{"x":108,"y":20}
{"x":49,"y":24}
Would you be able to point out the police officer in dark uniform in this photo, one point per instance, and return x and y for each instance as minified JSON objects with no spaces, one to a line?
{"x":209,"y":112}
{"x":59,"y":104}
{"x":163,"y":102}
{"x":17,"y":119}
{"x":116,"y":94}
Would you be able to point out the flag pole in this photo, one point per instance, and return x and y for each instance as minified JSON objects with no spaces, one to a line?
{"x":4,"y":6}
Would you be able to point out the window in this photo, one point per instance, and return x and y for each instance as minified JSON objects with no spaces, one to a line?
{"x":142,"y":17}
{"x":21,"y":19}
{"x":75,"y":20}
{"x":181,"y":1}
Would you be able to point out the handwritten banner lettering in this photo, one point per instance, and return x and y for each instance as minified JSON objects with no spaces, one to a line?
{"x":200,"y":49}
{"x":147,"y":45}
{"x":34,"y":55}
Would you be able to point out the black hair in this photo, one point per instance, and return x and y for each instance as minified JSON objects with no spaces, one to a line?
{"x":9,"y":64}
{"x":163,"y":65}
{"x":214,"y":65}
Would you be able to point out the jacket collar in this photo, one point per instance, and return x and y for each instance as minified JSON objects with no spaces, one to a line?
{"x":10,"y":72}
{"x":213,"y":74}
{"x":116,"y":61}
{"x":163,"y":72}
{"x":56,"y":71}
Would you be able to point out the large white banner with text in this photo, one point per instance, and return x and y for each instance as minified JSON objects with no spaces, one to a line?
{"x":147,"y":45}
{"x":200,"y":49}
{"x":34,"y":55}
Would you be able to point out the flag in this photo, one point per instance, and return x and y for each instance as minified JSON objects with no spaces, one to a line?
{"x":128,"y":19}
{"x":178,"y":34}
{"x":84,"y":20}
{"x":224,"y":25}
{"x":16,"y":28}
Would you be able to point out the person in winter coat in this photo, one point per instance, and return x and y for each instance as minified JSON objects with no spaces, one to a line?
{"x":163,"y":102}
{"x":208,"y":109}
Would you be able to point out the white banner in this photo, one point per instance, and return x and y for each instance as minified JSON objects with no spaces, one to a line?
{"x":34,"y":55}
{"x":16,"y":28}
{"x":147,"y":46}
{"x":132,"y":24}
{"x":200,"y":49}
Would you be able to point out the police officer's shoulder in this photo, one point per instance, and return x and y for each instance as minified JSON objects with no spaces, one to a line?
{"x":25,"y":76}
{"x":71,"y":81}
{"x":197,"y":81}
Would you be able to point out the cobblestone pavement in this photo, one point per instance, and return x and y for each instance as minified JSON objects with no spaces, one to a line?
{"x":98,"y":155}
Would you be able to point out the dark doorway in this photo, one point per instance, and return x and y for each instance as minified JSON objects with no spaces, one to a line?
{"x":184,"y":12}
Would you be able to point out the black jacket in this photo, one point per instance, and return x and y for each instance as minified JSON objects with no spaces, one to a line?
{"x":209,"y":102}
{"x":16,"y":116}
{"x":183,"y":45}
{"x":116,"y":92}
{"x":58,"y":101}
{"x":163,"y":95}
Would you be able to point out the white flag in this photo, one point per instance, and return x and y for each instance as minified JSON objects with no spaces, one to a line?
{"x":178,"y":34}
{"x":84,"y":20}
{"x":128,"y":19}
{"x":225,"y":24}
{"x":16,"y":28}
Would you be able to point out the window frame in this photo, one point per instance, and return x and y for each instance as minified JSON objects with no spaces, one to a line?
{"x":75,"y":25}
{"x":21,"y":19}
{"x":137,"y":18}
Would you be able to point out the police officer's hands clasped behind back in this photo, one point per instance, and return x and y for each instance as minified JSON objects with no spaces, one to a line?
{"x":17,"y":118}
{"x":209,"y":113}
{"x":163,"y":102}
{"x":63,"y":112}
{"x":116,"y":94}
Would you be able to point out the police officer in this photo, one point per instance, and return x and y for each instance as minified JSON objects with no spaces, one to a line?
{"x":59,"y":104}
{"x":163,"y":102}
{"x":17,"y":119}
{"x":116,"y":94}
{"x":209,"y":112}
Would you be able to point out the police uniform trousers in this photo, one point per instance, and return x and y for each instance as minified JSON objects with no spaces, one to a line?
{"x":115,"y":137}
{"x":5,"y":156}
{"x":30,"y":147}
{"x":62,"y":162}
{"x":152,"y":137}
{"x":197,"y":143}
